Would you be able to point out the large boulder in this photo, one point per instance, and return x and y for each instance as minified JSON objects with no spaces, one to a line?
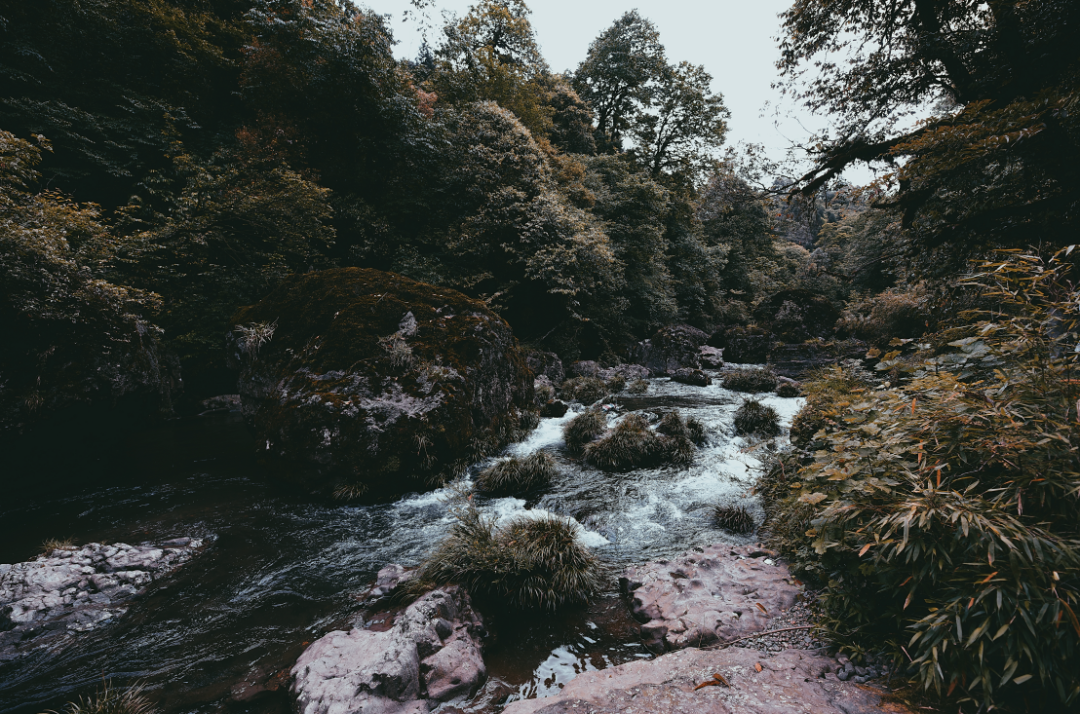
{"x":796,"y":315}
{"x":671,"y":348}
{"x":431,"y":654}
{"x":748,"y":345}
{"x":371,"y":384}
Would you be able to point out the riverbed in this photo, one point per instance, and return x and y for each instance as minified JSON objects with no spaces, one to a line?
{"x":282,"y":568}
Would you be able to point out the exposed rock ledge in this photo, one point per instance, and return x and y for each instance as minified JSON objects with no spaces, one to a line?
{"x":78,"y":589}
{"x":790,"y":682}
{"x":708,"y":595}
{"x":430,"y":655}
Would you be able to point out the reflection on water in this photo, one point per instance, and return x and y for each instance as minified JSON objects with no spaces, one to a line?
{"x":284,"y":568}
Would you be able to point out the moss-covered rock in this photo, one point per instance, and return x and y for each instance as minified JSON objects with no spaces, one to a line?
{"x":371,"y":384}
{"x":670,"y":348}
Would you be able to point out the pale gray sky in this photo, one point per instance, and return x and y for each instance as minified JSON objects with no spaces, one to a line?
{"x":733,"y":39}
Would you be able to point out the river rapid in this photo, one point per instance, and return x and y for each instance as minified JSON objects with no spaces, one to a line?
{"x":283,"y":568}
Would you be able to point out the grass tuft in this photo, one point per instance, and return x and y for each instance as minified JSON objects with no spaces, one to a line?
{"x":750,"y":380}
{"x":672,"y":424}
{"x":51,"y":544}
{"x":638,"y":386}
{"x":734,"y":519}
{"x":109,"y":700}
{"x":515,"y":475}
{"x":632,"y":444}
{"x":528,"y":563}
{"x":586,"y":390}
{"x":757,"y":419}
{"x":583,"y":429}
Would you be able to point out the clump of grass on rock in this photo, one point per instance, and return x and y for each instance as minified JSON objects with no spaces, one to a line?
{"x":617,"y":383}
{"x":750,"y":380}
{"x":734,"y":519}
{"x":756,"y":419}
{"x":528,"y":563}
{"x":515,"y":475}
{"x":632,"y":444}
{"x":51,"y":544}
{"x":638,"y":386}
{"x":673,"y":424}
{"x":583,"y":389}
{"x":583,"y":429}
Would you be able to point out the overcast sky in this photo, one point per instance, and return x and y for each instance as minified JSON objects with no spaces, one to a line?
{"x":733,"y":39}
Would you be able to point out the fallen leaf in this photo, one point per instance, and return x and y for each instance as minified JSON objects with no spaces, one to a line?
{"x":758,"y":666}
{"x":720,"y":678}
{"x":762,"y":608}
{"x":707,"y":683}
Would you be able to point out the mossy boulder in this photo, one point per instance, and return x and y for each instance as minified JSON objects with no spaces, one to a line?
{"x":670,"y":349}
{"x":370,"y":384}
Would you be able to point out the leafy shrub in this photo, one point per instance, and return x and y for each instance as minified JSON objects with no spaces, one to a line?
{"x":528,"y":563}
{"x":735,"y":519}
{"x":943,"y":512}
{"x":584,"y":428}
{"x":638,"y":386}
{"x":515,"y":475}
{"x":757,"y":419}
{"x":750,"y":380}
{"x":583,"y":389}
{"x":112,"y":701}
{"x":632,"y":444}
{"x":829,"y":391}
{"x":880,"y":318}
{"x":673,"y":424}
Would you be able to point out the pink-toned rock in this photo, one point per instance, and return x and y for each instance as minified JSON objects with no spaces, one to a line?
{"x":708,"y":595}
{"x":431,"y":654}
{"x":790,"y":682}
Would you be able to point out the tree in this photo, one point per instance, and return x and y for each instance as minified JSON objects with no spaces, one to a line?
{"x":620,"y":74}
{"x":685,"y":126}
{"x":997,"y":164}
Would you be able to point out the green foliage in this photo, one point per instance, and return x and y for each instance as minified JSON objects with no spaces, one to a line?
{"x":110,"y":700}
{"x":514,"y":475}
{"x":632,"y":444}
{"x":943,"y":512}
{"x":528,"y":563}
{"x":69,"y":331}
{"x":989,"y":168}
{"x":753,"y":418}
{"x":583,"y":429}
{"x":891,"y":314}
{"x":735,"y":519}
{"x":829,"y":391}
{"x":750,"y":380}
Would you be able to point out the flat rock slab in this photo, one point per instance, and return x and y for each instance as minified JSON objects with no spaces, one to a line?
{"x":430,"y":655}
{"x":790,"y":682}
{"x":708,"y":595}
{"x":79,"y":589}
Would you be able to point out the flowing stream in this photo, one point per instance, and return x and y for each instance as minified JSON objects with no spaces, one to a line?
{"x":284,"y":568}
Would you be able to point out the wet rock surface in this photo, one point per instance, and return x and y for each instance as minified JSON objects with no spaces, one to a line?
{"x":708,"y":595}
{"x":376,"y":385}
{"x":431,"y":654}
{"x":671,"y":348}
{"x":790,"y":682}
{"x":78,"y":589}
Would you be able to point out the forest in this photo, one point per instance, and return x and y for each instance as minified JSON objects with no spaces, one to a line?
{"x":169,"y":166}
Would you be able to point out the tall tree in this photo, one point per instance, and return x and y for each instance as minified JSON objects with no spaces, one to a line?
{"x":620,"y":74}
{"x":998,"y":163}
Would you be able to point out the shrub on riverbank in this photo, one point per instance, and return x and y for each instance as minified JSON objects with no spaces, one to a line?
{"x":750,"y":380}
{"x":756,"y":419}
{"x":943,"y":513}
{"x":829,"y":391}
{"x":514,"y":476}
{"x":528,"y":563}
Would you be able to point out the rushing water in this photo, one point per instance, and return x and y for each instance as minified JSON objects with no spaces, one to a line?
{"x":283,"y":568}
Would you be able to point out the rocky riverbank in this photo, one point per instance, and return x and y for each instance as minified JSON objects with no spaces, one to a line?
{"x":77,"y":589}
